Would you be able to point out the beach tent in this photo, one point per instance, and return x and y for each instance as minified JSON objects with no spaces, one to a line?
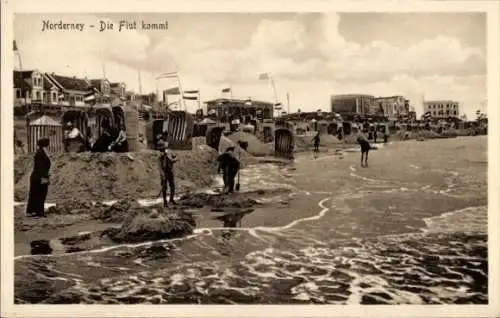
{"x":45,"y":126}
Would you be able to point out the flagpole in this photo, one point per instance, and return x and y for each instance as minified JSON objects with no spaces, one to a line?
{"x":140,"y":83}
{"x":16,"y":49}
{"x":274,"y":91}
{"x":288,"y":102}
{"x":199,"y":100}
{"x":181,"y":91}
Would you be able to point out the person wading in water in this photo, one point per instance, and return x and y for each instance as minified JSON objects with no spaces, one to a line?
{"x":229,"y":166}
{"x":166,"y":163}
{"x":39,"y":180}
{"x":365,"y":148}
{"x":316,"y":142}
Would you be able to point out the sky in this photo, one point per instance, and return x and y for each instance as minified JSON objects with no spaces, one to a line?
{"x":311,"y":56}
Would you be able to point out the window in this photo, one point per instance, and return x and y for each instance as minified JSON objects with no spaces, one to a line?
{"x":455,"y":112}
{"x":38,"y":96}
{"x":447,"y":105}
{"x":54,"y":96}
{"x":434,"y":113}
{"x":447,"y":112}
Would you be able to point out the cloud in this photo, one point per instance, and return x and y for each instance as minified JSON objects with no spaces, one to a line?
{"x":308,"y":57}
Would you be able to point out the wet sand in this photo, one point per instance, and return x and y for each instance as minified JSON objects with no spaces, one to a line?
{"x":410,"y":228}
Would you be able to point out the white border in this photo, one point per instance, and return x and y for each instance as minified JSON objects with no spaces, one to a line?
{"x":53,"y":6}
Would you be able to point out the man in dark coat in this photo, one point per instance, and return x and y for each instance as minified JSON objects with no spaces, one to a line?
{"x":365,"y":148}
{"x":39,"y":180}
{"x":166,"y":164}
{"x":229,"y":166}
{"x":316,"y":140}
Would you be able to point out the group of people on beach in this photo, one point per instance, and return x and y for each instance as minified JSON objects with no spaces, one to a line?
{"x":228,"y":164}
{"x":361,"y":139}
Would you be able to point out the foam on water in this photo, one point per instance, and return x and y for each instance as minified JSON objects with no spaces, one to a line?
{"x":444,"y":263}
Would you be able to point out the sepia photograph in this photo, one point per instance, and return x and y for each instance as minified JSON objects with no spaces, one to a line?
{"x":249,"y":158}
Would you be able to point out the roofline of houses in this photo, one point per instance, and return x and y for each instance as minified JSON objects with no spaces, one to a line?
{"x":238,"y":100}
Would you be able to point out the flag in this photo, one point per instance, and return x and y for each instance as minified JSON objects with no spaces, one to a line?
{"x":89,"y":97}
{"x":15,"y":46}
{"x":264,"y":76}
{"x":167,"y":75}
{"x":192,"y":92}
{"x":427,"y":116}
{"x":172,"y":91}
{"x":190,"y":97}
{"x":226,"y":90}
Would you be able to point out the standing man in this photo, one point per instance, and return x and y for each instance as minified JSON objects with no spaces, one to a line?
{"x":316,"y":140}
{"x":166,"y":165}
{"x":229,"y":166}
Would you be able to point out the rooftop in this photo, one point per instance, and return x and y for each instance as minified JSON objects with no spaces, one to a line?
{"x":440,"y":101}
{"x":235,"y":100}
{"x":69,"y":83}
{"x":338,"y":96}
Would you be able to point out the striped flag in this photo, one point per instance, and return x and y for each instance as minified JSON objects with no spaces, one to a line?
{"x":14,"y":45}
{"x":172,"y":91}
{"x":91,"y":95}
{"x":191,"y":97}
{"x":167,"y":75}
{"x":264,"y":76}
{"x":226,"y":90}
{"x":427,"y":116}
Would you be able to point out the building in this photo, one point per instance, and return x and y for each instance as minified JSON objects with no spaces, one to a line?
{"x":225,"y":109}
{"x":28,"y":87}
{"x":118,"y":89}
{"x":72,"y":90}
{"x":103,"y":87}
{"x":52,"y":93}
{"x":360,"y":104}
{"x":393,"y":107}
{"x":412,"y":115}
{"x":148,"y":99}
{"x":442,"y":108}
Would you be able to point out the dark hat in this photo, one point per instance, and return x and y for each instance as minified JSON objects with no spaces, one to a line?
{"x":43,"y":142}
{"x":162,"y":145}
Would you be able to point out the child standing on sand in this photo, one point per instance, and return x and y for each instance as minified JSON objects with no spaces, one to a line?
{"x":365,"y":148}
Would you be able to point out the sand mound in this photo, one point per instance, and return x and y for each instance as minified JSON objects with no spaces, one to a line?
{"x":109,"y":176}
{"x":154,"y":225}
{"x":255,"y":146}
{"x":199,"y":200}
